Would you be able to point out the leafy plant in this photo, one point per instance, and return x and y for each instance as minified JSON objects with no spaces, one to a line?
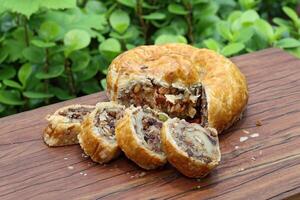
{"x":56,"y":50}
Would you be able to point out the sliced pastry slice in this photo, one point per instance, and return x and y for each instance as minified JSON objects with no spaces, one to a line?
{"x":138,"y":135}
{"x":190,"y":148}
{"x":97,"y":138}
{"x":65,"y":124}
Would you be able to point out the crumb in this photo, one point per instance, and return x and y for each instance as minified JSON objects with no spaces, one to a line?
{"x":236,"y":147}
{"x":243,"y":139}
{"x":260,"y":152}
{"x":84,"y":155}
{"x":66,"y":158}
{"x":84,"y":174}
{"x":241,"y":169}
{"x":258,"y":123}
{"x":81,"y":173}
{"x":70,"y":167}
{"x":253,"y":158}
{"x":254,"y":135}
{"x":197,"y":187}
{"x":198,"y":180}
{"x":128,"y":173}
{"x":245,"y":131}
{"x":142,"y":174}
{"x":132,"y":176}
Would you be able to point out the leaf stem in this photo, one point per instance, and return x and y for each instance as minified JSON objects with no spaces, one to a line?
{"x":70,"y":76}
{"x":46,"y":69}
{"x":144,"y":25}
{"x":189,"y":19}
{"x":25,"y":24}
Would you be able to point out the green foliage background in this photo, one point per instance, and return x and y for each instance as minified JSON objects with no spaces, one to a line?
{"x":56,"y":50}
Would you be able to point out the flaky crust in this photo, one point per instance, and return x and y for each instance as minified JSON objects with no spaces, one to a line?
{"x":130,"y":145}
{"x":60,"y":131}
{"x":98,"y":148}
{"x":186,"y":165}
{"x":225,"y":86}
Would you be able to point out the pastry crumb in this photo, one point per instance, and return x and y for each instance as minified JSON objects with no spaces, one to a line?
{"x":70,"y":167}
{"x":245,"y":131}
{"x":197,"y":187}
{"x":253,"y":158}
{"x":254,"y":135}
{"x":84,"y":155}
{"x":142,"y":174}
{"x":66,"y":158}
{"x":241,"y":169}
{"x":258,"y":123}
{"x":243,"y":139}
{"x":81,"y":173}
{"x":84,"y":174}
{"x":260,"y":152}
{"x":236,"y":147}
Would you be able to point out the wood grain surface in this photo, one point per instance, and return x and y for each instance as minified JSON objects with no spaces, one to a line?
{"x":263,"y":167}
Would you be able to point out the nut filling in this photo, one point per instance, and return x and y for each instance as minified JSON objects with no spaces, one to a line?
{"x":105,"y":121}
{"x":197,"y":142}
{"x":148,"y":126}
{"x":76,"y":114}
{"x":189,"y":103}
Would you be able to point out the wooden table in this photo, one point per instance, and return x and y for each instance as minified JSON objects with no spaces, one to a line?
{"x":267,"y":166}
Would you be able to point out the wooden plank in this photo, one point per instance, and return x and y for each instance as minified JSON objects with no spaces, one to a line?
{"x":267,"y":166}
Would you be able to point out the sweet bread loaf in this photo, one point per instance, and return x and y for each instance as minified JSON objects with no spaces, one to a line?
{"x":198,"y":85}
{"x":97,"y":137}
{"x":190,"y":148}
{"x":65,"y":124}
{"x":138,"y":135}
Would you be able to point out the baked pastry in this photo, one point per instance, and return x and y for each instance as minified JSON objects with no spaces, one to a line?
{"x":138,"y":135}
{"x":183,"y":81}
{"x":64,"y":125}
{"x":97,"y":138}
{"x":190,"y":148}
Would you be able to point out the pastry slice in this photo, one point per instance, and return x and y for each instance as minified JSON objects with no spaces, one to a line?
{"x":190,"y":148}
{"x":65,"y":124}
{"x":138,"y":135}
{"x":97,"y":137}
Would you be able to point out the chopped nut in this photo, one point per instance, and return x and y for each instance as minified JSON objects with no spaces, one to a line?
{"x":258,"y":123}
{"x":137,"y":88}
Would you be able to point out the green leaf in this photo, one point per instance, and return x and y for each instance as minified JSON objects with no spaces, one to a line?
{"x":42,"y":44}
{"x":24,"y":73}
{"x":212,"y":44}
{"x":34,"y":54}
{"x":264,"y":29}
{"x":165,"y":39}
{"x":249,"y":17}
{"x":87,"y":73}
{"x":177,"y":9}
{"x":7,"y":73}
{"x":110,"y":48}
{"x":243,"y":35}
{"x":90,"y":86}
{"x":13,"y":49}
{"x":232,"y":48}
{"x":119,"y":20}
{"x":103,"y":83}
{"x":37,"y":95}
{"x":95,"y":7}
{"x":3,"y":55}
{"x":27,"y":8}
{"x":76,"y":39}
{"x":223,"y":29}
{"x":12,"y":84}
{"x":155,"y":16}
{"x":54,"y":71}
{"x":292,"y":14}
{"x":11,"y":97}
{"x":61,"y":94}
{"x":129,"y":3}
{"x":288,"y":43}
{"x":80,"y":60}
{"x":49,"y":30}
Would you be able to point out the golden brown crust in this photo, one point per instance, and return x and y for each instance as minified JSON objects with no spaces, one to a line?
{"x":97,"y":147}
{"x":225,"y":86}
{"x":60,"y":131}
{"x":133,"y":149}
{"x":186,"y":165}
